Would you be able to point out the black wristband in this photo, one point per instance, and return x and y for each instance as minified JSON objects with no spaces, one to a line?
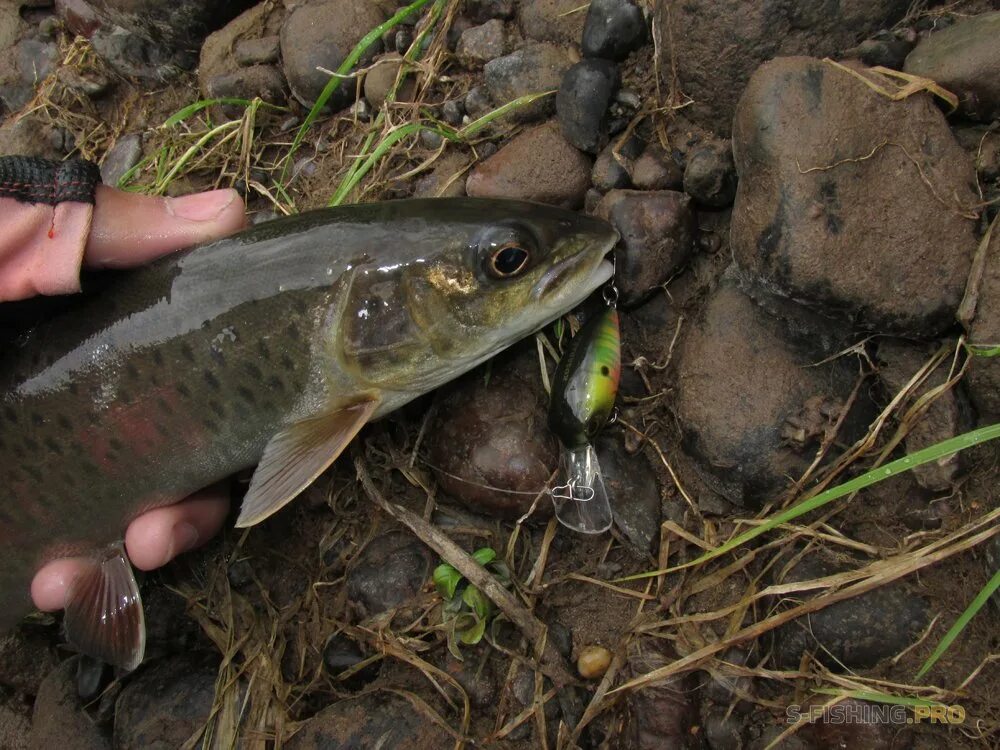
{"x":31,"y":179}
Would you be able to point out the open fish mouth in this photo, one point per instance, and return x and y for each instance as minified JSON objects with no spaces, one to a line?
{"x":562,"y":287}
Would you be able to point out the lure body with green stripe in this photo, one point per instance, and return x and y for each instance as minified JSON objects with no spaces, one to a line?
{"x":586,"y":381}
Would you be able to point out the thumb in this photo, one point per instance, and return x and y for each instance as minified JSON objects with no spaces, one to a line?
{"x":129,"y":229}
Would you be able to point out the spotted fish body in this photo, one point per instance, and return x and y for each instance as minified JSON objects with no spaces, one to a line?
{"x":274,"y":345}
{"x":586,"y":382}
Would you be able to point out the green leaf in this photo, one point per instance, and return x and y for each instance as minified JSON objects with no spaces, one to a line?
{"x":899,"y":466}
{"x":453,"y":643}
{"x":474,"y":634}
{"x":484,"y":555}
{"x":977,"y":604}
{"x":452,"y":607}
{"x":477,"y":602}
{"x":446,"y":578}
{"x":984,"y":350}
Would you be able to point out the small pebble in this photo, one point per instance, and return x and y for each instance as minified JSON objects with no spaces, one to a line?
{"x":48,"y":27}
{"x":628,"y":98}
{"x":380,"y":79}
{"x":710,"y":175}
{"x":582,"y":103}
{"x":593,"y":662}
{"x":453,"y":112}
{"x":607,"y":173}
{"x":480,"y":44}
{"x":120,"y":158}
{"x":240,"y":573}
{"x":613,"y":29}
{"x":430,"y":139}
{"x":655,"y":169}
{"x":341,"y":653}
{"x":92,"y":675}
{"x":292,"y":121}
{"x":478,"y":101}
{"x":403,"y":39}
{"x":361,"y":109}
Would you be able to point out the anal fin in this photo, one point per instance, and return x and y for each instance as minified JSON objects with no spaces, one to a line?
{"x":104,"y":617}
{"x":297,"y":455}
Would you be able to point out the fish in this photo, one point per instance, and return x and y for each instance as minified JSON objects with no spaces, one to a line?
{"x":584,"y":389}
{"x":272,"y":347}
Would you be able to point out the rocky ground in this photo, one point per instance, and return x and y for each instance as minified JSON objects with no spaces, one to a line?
{"x":804,"y":193}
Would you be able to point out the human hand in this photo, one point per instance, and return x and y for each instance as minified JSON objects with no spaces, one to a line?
{"x":129,"y":230}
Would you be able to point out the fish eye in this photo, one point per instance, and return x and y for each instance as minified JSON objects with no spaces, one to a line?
{"x":508,"y":260}
{"x":505,"y":251}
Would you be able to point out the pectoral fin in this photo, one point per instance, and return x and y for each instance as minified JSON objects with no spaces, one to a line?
{"x":104,"y":611}
{"x":297,"y":455}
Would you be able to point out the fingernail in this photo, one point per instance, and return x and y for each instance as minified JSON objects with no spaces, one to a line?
{"x":201,"y":206}
{"x":185,"y":537}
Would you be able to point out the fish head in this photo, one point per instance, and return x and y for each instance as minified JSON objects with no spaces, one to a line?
{"x":480,"y":274}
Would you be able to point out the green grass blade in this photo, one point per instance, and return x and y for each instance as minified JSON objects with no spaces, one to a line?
{"x":196,"y":107}
{"x":190,"y":153}
{"x":899,"y":466}
{"x":383,"y":147}
{"x":977,"y":604}
{"x":476,"y":125}
{"x":363,"y":164}
{"x":983,"y":350}
{"x":349,"y":62}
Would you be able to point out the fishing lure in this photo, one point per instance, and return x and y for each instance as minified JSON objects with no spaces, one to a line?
{"x":582,"y":401}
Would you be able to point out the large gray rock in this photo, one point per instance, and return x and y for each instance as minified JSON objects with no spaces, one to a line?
{"x":582,"y":103}
{"x":717,"y":46}
{"x":180,"y":24}
{"x":657,"y":229}
{"x":321,"y":34}
{"x":59,"y":720}
{"x":946,"y":417}
{"x":855,"y":633}
{"x":389,"y":571}
{"x":634,"y":493}
{"x":537,"y":165}
{"x":483,"y":442}
{"x":965,"y":59}
{"x":26,"y":658}
{"x":221,"y":68}
{"x":369,"y":721}
{"x":983,"y":379}
{"x":166,"y":704}
{"x":850,"y":202}
{"x":15,"y":727}
{"x":552,"y":20}
{"x":530,"y":70}
{"x":662,"y":714}
{"x":750,"y":408}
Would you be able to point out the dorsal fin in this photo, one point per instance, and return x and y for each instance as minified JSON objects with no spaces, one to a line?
{"x":104,"y":615}
{"x":297,"y":455}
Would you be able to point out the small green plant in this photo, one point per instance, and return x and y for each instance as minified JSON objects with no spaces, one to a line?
{"x":467,"y":611}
